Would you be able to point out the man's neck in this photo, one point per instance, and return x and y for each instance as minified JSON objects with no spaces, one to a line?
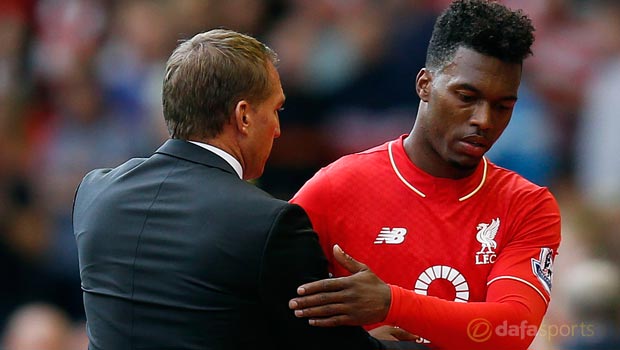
{"x":423,"y":156}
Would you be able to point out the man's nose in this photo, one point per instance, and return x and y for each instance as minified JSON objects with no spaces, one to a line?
{"x":482,"y":116}
{"x":277,"y":132}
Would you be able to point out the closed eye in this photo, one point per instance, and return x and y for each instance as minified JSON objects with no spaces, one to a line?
{"x":507,"y":105}
{"x":465,"y":97}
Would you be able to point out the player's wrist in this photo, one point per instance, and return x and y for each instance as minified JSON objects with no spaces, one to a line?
{"x":395,"y":306}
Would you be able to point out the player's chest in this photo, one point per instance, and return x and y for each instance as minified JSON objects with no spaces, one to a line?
{"x":440,"y":250}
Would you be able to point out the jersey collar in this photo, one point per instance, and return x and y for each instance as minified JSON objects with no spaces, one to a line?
{"x":425,"y":184}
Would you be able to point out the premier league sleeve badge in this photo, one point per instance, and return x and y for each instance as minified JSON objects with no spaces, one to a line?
{"x":543,"y":268}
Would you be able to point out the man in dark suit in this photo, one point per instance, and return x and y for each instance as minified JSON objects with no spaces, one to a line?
{"x":177,"y":251}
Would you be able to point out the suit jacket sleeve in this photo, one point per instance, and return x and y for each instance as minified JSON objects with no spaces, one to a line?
{"x":292,"y":257}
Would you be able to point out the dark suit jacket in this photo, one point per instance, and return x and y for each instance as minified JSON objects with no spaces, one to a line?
{"x":176,"y":252}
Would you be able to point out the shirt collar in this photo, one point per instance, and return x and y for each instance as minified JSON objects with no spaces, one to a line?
{"x":225,"y":155}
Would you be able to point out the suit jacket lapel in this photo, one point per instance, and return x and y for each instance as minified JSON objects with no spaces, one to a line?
{"x":193,"y":153}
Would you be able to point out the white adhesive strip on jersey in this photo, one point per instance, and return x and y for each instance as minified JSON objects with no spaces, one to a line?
{"x":482,"y":181}
{"x":399,"y":175}
{"x":520,"y":280}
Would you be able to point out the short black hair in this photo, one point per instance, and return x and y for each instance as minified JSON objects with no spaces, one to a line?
{"x":484,"y":26}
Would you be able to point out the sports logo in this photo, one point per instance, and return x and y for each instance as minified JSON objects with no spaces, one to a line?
{"x":452,"y":275}
{"x":395,"y":235}
{"x":479,"y":330}
{"x":543,"y":268}
{"x":486,"y":237}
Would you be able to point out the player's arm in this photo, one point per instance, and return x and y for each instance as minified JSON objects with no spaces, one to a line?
{"x":363,"y":298}
{"x":518,"y":292}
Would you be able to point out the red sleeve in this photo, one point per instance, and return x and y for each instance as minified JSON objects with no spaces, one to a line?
{"x":518,"y":293}
{"x":314,"y":198}
{"x":528,"y":258}
{"x":508,"y":320}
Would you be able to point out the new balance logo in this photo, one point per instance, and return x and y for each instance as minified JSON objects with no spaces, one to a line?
{"x":395,"y":235}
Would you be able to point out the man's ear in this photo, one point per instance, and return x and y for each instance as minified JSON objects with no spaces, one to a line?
{"x":243,"y":118}
{"x":423,"y":84}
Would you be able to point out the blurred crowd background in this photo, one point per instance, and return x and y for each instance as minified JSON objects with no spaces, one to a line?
{"x":80,"y":87}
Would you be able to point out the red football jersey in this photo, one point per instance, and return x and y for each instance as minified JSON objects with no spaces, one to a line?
{"x":437,"y":236}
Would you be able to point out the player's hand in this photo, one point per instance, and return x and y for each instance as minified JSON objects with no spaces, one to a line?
{"x":392,"y":333}
{"x":359,"y":299}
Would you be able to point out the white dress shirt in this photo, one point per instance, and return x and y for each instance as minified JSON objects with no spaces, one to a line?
{"x":225,"y":155}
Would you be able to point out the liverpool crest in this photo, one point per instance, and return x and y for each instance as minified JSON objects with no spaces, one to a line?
{"x":486,"y":237}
